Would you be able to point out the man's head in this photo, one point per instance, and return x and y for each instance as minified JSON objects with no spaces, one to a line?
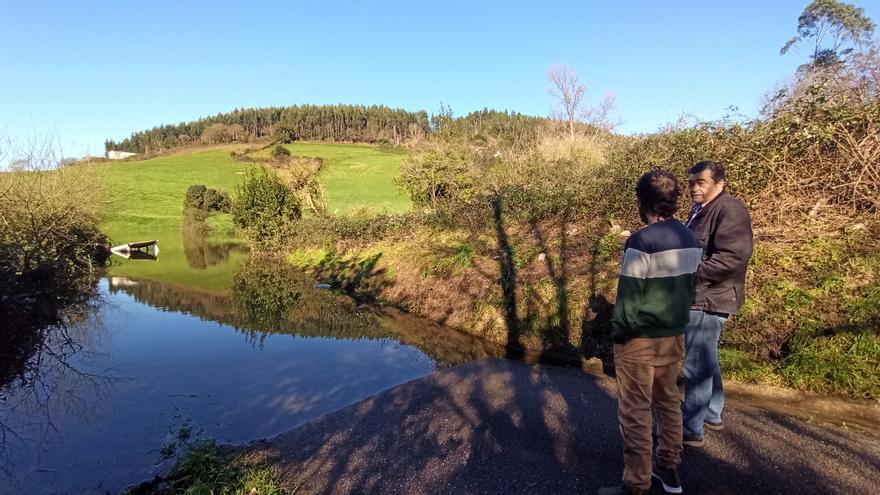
{"x":657,"y":192}
{"x":706,"y":180}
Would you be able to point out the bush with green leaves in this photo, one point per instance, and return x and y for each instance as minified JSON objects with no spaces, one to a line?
{"x":284,"y":134}
{"x":280,"y":152}
{"x":264,"y":207}
{"x":204,"y":198}
{"x":195,"y":196}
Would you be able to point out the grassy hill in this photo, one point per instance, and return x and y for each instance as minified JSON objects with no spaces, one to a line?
{"x":145,"y":201}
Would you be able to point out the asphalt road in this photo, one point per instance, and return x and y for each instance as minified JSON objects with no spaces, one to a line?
{"x":497,"y":426}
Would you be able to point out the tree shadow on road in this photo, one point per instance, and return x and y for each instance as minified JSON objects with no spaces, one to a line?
{"x":496,"y":426}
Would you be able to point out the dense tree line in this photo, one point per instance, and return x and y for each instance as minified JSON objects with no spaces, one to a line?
{"x":353,"y":123}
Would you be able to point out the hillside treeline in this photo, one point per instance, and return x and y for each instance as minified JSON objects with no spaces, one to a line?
{"x":345,"y":123}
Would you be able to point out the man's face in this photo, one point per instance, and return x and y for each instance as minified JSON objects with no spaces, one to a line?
{"x":703,"y":187}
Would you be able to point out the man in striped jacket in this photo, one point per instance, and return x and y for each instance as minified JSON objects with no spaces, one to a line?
{"x":654,"y":295}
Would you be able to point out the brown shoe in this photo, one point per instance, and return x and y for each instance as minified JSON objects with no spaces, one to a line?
{"x":692,"y":441}
{"x":713,"y":426}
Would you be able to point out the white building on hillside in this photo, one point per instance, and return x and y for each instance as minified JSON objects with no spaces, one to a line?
{"x":119,"y":155}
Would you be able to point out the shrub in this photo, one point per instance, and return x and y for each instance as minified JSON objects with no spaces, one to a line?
{"x":284,"y":134}
{"x":264,"y":206}
{"x":280,"y":153}
{"x":216,"y":200}
{"x":438,"y":173}
{"x":51,"y":256}
{"x":195,"y":196}
{"x":203,"y":198}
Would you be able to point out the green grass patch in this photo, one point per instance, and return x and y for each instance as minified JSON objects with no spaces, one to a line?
{"x":845,"y":362}
{"x":148,"y":195}
{"x":206,"y":469}
{"x":742,"y":366}
{"x":144,"y":201}
{"x":306,"y":258}
{"x":357,"y":177}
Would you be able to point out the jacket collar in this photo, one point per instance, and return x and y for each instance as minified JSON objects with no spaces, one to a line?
{"x":714,"y":201}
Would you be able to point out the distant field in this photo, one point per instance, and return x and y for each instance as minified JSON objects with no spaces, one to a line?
{"x":145,"y":201}
{"x":148,"y":194}
{"x":357,"y":176}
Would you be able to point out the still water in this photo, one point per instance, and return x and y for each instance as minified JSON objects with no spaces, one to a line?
{"x":246,"y":351}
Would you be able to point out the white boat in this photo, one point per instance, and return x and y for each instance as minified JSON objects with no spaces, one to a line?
{"x":143,"y":250}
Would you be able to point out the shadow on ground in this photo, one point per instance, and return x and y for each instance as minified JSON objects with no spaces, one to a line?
{"x":496,"y":426}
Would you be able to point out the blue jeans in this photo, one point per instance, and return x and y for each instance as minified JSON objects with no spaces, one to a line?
{"x":703,"y":392}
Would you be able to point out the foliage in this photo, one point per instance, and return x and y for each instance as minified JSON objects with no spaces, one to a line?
{"x":206,"y":468}
{"x":195,"y":196}
{"x":264,"y":206}
{"x":203,"y":198}
{"x":844,"y":362}
{"x":265,"y":296}
{"x":436,"y":172}
{"x":284,"y":134}
{"x":279,"y":152}
{"x":218,"y":134}
{"x":49,"y":229}
{"x":351,"y":123}
{"x":216,"y":200}
{"x":51,"y":257}
{"x":840,"y":22}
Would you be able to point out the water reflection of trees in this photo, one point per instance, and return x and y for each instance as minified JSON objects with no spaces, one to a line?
{"x":270,"y":297}
{"x":29,"y":319}
{"x":199,"y":251}
{"x":45,"y":340}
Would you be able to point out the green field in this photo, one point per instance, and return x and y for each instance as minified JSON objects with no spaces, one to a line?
{"x":357,"y":176}
{"x":144,"y":201}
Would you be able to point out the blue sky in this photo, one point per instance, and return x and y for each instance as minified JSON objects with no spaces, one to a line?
{"x":87,"y":71}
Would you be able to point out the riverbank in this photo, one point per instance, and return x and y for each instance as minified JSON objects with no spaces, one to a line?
{"x":496,"y":426}
{"x":548,"y":288}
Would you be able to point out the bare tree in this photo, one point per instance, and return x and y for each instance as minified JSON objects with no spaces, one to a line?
{"x":568,"y":93}
{"x":602,"y":115}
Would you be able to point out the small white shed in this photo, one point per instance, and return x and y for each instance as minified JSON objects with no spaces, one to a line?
{"x":119,"y":155}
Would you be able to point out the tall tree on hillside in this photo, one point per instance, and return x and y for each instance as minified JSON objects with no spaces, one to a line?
{"x":568,"y":93}
{"x":835,"y":29}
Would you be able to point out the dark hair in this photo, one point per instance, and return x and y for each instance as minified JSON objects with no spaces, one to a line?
{"x":717,"y":169}
{"x":658,"y":193}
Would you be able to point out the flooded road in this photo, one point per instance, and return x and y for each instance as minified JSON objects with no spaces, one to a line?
{"x":156,"y":365}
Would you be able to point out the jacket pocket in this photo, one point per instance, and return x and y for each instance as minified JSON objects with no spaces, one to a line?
{"x":721,"y":299}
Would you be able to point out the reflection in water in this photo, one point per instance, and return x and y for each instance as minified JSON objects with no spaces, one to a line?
{"x":274,"y":298}
{"x":45,"y":367}
{"x":199,"y":251}
{"x":109,"y":391}
{"x":29,"y":318}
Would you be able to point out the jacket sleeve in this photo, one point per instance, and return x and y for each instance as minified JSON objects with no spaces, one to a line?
{"x":732,"y":243}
